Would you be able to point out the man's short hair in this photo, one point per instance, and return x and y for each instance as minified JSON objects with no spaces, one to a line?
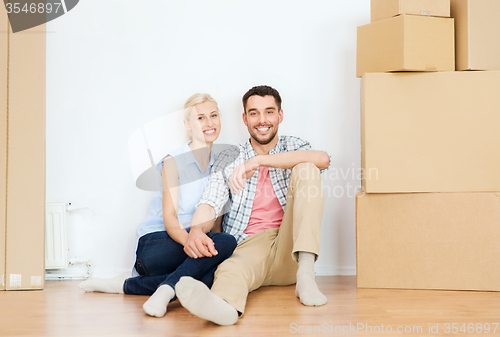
{"x":262,"y":90}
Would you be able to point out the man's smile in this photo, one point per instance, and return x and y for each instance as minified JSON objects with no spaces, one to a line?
{"x":263,"y":129}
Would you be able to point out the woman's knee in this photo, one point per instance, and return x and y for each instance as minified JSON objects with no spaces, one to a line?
{"x":151,"y":253}
{"x":224,"y":243}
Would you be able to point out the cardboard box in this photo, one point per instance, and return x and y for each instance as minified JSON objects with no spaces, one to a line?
{"x":25,"y":160}
{"x":3,"y":138}
{"x":428,"y":241}
{"x":477,"y":24}
{"x":406,"y":43}
{"x":384,"y":9}
{"x":430,"y":132}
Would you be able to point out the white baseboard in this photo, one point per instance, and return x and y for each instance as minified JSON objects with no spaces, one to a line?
{"x":106,"y":273}
{"x":64,"y":274}
{"x":334,"y":271}
{"x":80,"y":272}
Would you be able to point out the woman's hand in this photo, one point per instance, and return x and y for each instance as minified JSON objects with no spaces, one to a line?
{"x":242,"y":173}
{"x":199,"y":244}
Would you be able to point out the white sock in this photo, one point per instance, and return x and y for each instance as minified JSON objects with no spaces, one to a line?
{"x":200,"y":301}
{"x":156,"y":305}
{"x":306,"y":288}
{"x":112,"y":286}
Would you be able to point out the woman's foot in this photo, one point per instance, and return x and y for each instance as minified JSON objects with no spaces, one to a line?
{"x":156,"y":305}
{"x":112,"y":286}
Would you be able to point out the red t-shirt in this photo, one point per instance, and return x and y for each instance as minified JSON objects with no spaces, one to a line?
{"x":266,"y":209}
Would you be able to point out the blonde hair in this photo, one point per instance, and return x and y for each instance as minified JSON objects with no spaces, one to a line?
{"x":191,"y":102}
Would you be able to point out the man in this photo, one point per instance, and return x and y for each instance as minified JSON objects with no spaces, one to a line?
{"x":274,"y":186}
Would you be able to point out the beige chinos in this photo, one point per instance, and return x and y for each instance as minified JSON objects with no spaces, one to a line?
{"x":270,"y":257}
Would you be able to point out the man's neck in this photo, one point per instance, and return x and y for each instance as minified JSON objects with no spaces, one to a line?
{"x":263,"y":149}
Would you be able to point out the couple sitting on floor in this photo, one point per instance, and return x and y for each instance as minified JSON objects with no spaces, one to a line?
{"x":270,"y":235}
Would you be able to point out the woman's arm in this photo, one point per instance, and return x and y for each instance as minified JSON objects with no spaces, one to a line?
{"x":170,"y":205}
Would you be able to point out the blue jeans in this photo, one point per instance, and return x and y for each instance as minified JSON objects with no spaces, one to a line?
{"x":161,"y":260}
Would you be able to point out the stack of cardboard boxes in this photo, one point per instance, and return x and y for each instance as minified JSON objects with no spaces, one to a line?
{"x":429,"y":217}
{"x":22,"y":157}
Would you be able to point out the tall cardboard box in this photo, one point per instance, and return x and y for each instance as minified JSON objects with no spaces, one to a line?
{"x":384,"y":9}
{"x":4,"y":50}
{"x":430,"y":132}
{"x":477,"y":24}
{"x":406,"y":43}
{"x":25,"y":160}
{"x":428,"y":241}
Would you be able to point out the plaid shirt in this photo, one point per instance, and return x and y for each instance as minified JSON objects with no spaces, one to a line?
{"x":218,"y":192}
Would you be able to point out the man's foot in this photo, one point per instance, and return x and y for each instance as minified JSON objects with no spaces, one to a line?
{"x":200,"y":301}
{"x":156,"y":305}
{"x":306,"y":288}
{"x":112,"y":286}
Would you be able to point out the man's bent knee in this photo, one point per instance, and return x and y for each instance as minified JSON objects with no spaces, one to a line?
{"x":306,"y":181}
{"x":306,"y":171}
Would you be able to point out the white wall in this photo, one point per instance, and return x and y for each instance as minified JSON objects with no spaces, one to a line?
{"x":113,"y":66}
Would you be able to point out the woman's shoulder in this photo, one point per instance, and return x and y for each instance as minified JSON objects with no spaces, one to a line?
{"x":169,"y":162}
{"x":169,"y":159}
{"x":168,"y":165}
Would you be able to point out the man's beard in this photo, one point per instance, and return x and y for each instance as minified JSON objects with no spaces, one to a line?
{"x":266,"y":141}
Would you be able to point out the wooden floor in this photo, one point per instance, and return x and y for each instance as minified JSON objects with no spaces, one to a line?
{"x":62,"y":309}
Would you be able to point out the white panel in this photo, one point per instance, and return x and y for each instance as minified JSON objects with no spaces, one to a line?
{"x":56,"y":252}
{"x":58,"y":237}
{"x":49,"y":236}
{"x":165,"y":134}
{"x":150,"y":143}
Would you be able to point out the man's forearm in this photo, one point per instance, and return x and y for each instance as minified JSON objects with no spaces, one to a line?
{"x":203,"y":218}
{"x":288,"y":160}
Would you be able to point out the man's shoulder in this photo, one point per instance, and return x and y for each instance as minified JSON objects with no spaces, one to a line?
{"x":292,"y":143}
{"x":227,"y":150}
{"x":226,"y":154}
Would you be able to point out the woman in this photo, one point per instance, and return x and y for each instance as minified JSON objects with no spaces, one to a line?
{"x":160,"y":257}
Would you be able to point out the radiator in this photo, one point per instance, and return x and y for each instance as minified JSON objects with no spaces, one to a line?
{"x":56,"y":250}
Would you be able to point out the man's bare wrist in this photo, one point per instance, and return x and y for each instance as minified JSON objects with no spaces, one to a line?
{"x":258,"y":159}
